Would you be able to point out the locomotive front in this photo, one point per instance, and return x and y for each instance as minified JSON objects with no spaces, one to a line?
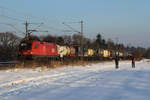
{"x":25,"y":49}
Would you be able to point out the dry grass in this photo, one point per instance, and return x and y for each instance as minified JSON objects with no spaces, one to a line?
{"x":48,"y":65}
{"x":44,"y":65}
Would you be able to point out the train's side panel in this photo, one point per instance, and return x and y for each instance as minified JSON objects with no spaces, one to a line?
{"x":72,"y":52}
{"x":105,"y":53}
{"x":41,"y":49}
{"x":63,"y":50}
{"x":90,"y":52}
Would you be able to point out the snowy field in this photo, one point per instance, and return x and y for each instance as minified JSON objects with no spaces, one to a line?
{"x":92,"y":82}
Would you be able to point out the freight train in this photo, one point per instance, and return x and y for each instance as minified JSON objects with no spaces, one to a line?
{"x":38,"y":49}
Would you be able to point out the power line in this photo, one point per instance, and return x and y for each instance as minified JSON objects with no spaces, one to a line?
{"x":81,"y":33}
{"x":15,"y":11}
{"x":13,"y":26}
{"x":74,"y":30}
{"x":31,"y":16}
{"x":29,"y":31}
{"x":56,"y":29}
{"x":12,"y":18}
{"x":23,"y":14}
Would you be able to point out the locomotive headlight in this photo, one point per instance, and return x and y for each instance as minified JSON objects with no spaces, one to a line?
{"x":31,"y":52}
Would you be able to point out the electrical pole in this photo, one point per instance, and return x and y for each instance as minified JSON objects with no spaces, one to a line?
{"x":27,"y":32}
{"x":82,"y":49}
{"x":80,"y":33}
{"x":81,"y":28}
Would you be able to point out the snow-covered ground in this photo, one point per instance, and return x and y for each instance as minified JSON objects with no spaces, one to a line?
{"x":92,"y":82}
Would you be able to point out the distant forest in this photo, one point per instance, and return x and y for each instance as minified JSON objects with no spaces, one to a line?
{"x":9,"y":44}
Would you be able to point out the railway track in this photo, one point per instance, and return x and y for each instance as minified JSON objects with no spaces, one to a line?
{"x":9,"y":62}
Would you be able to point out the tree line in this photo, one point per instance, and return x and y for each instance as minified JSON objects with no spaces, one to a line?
{"x":9,"y":44}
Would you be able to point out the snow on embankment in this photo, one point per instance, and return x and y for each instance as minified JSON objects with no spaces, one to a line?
{"x":92,"y":82}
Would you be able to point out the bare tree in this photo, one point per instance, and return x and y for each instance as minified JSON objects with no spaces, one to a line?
{"x":8,"y":46}
{"x":60,"y":40}
{"x":49,"y":38}
{"x":76,"y":38}
{"x":67,"y":39}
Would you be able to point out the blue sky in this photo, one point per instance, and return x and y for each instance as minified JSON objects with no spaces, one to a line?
{"x":129,"y":20}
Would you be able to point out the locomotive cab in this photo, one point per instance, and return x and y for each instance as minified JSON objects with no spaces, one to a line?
{"x":25,"y":49}
{"x":25,"y":46}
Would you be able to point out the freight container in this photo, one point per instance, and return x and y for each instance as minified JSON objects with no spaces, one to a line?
{"x":63,"y":50}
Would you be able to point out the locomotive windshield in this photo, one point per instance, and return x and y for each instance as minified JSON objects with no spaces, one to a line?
{"x":25,"y":46}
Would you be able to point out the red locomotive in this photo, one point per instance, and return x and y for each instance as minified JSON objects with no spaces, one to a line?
{"x":31,"y":49}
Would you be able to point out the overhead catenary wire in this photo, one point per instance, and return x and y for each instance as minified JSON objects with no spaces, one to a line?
{"x":55,"y":30}
{"x":23,"y":14}
{"x":17,"y":31}
{"x":52,"y":28}
{"x":12,"y":18}
{"x":24,"y":19}
{"x":74,"y":30}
